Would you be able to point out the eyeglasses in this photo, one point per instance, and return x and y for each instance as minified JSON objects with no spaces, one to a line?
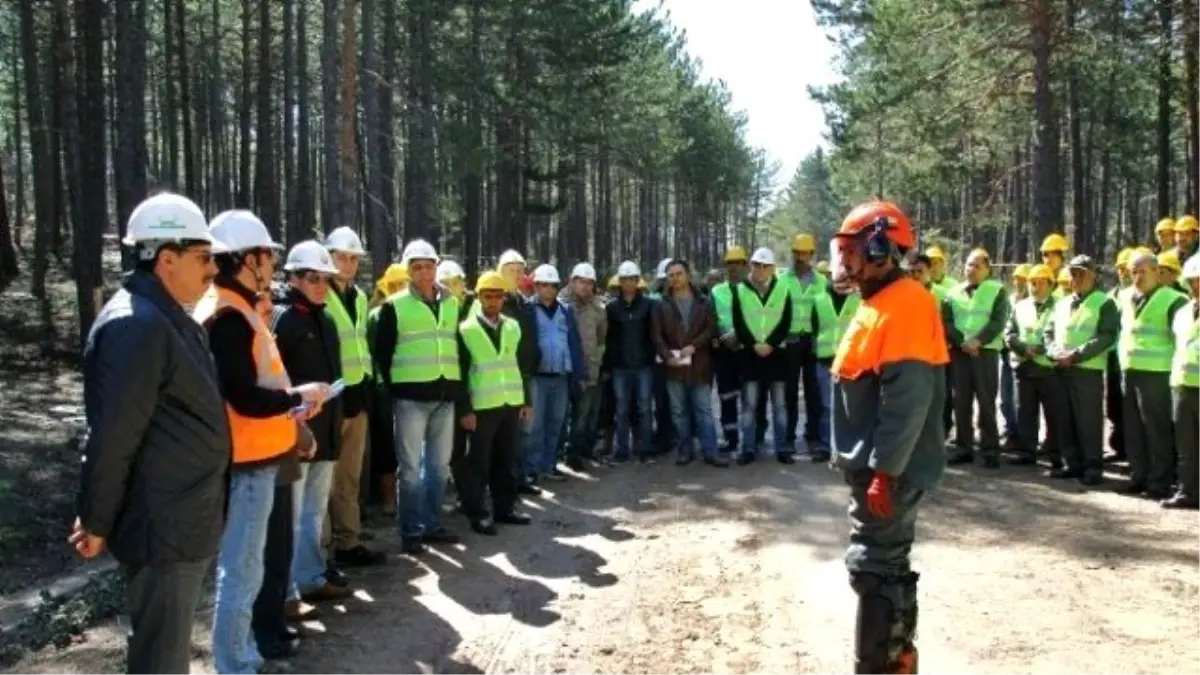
{"x":316,"y":278}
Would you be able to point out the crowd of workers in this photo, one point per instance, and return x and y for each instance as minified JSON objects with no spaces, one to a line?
{"x":212,"y":388}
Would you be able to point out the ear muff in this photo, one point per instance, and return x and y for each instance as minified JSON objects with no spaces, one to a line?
{"x":879,"y":246}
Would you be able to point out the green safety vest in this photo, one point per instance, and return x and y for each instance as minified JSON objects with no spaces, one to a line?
{"x":495,"y":377}
{"x":1185,"y":365}
{"x":1073,"y":328}
{"x":802,"y":296}
{"x":1031,"y":322}
{"x":947,"y":283}
{"x":762,"y":318}
{"x":722,"y":298}
{"x":971,"y":312}
{"x":1146,"y":342}
{"x":939,"y":294}
{"x":352,"y":335}
{"x":831,"y":325}
{"x":426,"y":345}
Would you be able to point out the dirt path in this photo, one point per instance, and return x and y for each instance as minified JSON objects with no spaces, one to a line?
{"x":701,"y":570}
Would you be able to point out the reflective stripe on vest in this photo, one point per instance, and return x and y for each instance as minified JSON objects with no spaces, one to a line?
{"x":495,"y":377}
{"x":831,"y":325}
{"x":803,"y":295}
{"x":352,"y":336}
{"x":1185,"y":366}
{"x":1146,"y":342}
{"x":971,"y":312}
{"x":762,"y":319}
{"x":1031,"y":323}
{"x":1072,"y":328}
{"x":426,"y":346}
{"x":722,"y":298}
{"x":256,"y":439}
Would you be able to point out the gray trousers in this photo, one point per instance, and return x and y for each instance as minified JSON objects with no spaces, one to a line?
{"x":1081,"y":420}
{"x":881,"y":546}
{"x":1187,"y":439}
{"x":1149,"y":434}
{"x":976,"y":381}
{"x":1039,"y":395}
{"x":161,"y":603}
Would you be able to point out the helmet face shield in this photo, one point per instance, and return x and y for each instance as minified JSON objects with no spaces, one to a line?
{"x":847,"y":262}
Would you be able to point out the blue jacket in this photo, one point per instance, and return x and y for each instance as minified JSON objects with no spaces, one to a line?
{"x":574,"y":346}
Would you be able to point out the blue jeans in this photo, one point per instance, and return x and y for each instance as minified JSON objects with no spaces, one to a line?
{"x":751,"y":390}
{"x":551,"y":394}
{"x":424,"y":442}
{"x":240,"y":568}
{"x":1008,"y":404}
{"x":692,"y":403}
{"x":636,"y":384}
{"x":825,"y":391}
{"x":310,"y":504}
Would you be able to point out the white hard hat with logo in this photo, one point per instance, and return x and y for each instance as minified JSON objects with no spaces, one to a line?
{"x":763,"y":256}
{"x":345,"y":240}
{"x":448,"y":269}
{"x":309,"y":256}
{"x":168,"y":217}
{"x":1191,"y":268}
{"x":241,"y":230}
{"x":418,"y":249}
{"x":511,"y":256}
{"x":584,"y":271}
{"x":546,"y":274}
{"x":628,"y":269}
{"x":660,"y":272}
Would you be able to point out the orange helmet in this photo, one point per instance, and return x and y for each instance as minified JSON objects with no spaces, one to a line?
{"x":897,"y":227}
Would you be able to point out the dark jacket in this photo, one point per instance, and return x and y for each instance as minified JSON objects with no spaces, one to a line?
{"x":770,"y":368}
{"x":529,"y":355}
{"x":357,"y":397}
{"x":574,"y":347}
{"x":308,"y":344}
{"x":628,"y":343}
{"x":383,"y":350}
{"x":669,"y":334}
{"x":157,"y":449}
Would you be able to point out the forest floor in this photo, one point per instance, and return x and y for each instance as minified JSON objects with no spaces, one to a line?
{"x":666,"y":569}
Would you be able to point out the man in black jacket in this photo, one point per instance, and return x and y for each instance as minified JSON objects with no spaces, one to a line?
{"x":628,"y":358}
{"x":157,"y":447}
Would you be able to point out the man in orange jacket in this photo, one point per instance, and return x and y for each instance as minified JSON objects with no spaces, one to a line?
{"x":889,"y":386}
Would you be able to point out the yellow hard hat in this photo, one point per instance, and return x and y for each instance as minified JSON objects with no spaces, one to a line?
{"x":736,"y":254}
{"x":395,"y":275}
{"x":490,"y":281}
{"x":1043,"y":272}
{"x":1124,"y":256}
{"x":1022,"y":271}
{"x":614,"y":282}
{"x":1187,"y":224}
{"x":1165,"y":225}
{"x":935,"y":253}
{"x":642,"y":283}
{"x":1170,"y":260}
{"x":823,"y":266}
{"x":980,"y":253}
{"x":1055,"y":243}
{"x":1142,"y":250}
{"x":1064,"y":276}
{"x":804,"y":243}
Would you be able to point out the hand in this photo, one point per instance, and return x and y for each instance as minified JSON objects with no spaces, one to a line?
{"x":730,"y":338}
{"x":313,"y":392}
{"x":763,"y":349}
{"x":879,"y":496}
{"x":306,"y":443}
{"x":468,"y":421}
{"x":526,"y":413}
{"x":1064,"y":361}
{"x":313,"y":411}
{"x":971,"y":347}
{"x":687,"y":351}
{"x":87,"y":544}
{"x":310,"y":452}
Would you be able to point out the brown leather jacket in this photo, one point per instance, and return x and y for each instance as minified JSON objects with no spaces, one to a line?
{"x":667,"y":332}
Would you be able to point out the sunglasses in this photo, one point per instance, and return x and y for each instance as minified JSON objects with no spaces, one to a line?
{"x":316,"y":278}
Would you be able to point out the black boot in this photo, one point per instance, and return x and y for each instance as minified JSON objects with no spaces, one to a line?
{"x":885,"y":630}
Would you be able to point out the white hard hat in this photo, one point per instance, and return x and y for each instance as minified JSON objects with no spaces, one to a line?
{"x":167,"y":217}
{"x":1191,"y":268}
{"x":660,"y":272}
{"x":763,"y":256}
{"x":241,"y":230}
{"x":418,"y":249}
{"x":345,"y":240}
{"x":309,"y":255}
{"x":511,"y":256}
{"x":546,"y":274}
{"x":448,"y":269}
{"x":584,"y":271}
{"x":628,"y":269}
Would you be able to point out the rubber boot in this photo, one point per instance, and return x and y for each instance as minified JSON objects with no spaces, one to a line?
{"x":872,"y":626}
{"x":907,"y":661}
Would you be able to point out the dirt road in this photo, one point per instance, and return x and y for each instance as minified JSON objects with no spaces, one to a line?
{"x":663,"y":569}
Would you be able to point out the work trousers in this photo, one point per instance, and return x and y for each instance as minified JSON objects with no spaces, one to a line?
{"x":976,"y":384}
{"x":267,"y":620}
{"x":729,"y":389}
{"x":1081,"y":420}
{"x":1039,"y":396}
{"x":802,"y":370}
{"x":345,"y":520}
{"x":161,"y":603}
{"x":1114,"y":405}
{"x":490,"y":463}
{"x":1149,"y":430}
{"x":1186,"y":406}
{"x":881,"y":546}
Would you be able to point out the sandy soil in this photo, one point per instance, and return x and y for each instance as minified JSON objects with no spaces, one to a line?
{"x":662,"y":569}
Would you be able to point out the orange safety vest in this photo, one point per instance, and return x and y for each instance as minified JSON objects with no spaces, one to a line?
{"x":255,"y":439}
{"x":902,"y":322}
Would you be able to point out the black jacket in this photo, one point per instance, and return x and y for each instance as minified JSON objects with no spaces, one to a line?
{"x":770,"y":368}
{"x":157,"y":449}
{"x":308,"y":344}
{"x":627,"y":343}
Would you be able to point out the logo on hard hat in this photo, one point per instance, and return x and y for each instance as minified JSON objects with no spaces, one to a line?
{"x":169,"y":224}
